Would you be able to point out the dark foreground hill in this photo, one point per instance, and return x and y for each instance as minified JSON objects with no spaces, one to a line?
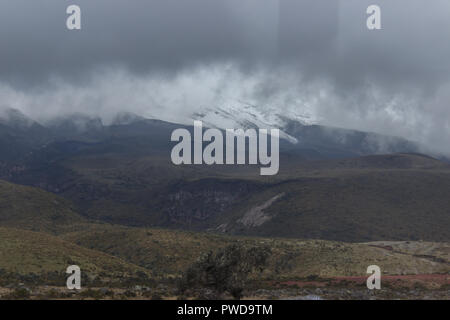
{"x":35,"y":209}
{"x":42,"y":259}
{"x":118,"y":256}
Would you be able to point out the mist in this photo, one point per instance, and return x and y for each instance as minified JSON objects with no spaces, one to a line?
{"x":170,"y":59}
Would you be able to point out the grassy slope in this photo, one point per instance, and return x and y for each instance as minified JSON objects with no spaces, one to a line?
{"x":25,"y":252}
{"x":169,"y":252}
{"x":112,"y":251}
{"x":34,"y":209}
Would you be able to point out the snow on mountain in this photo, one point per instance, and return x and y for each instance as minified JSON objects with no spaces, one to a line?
{"x":124,"y":118}
{"x":238,"y":114}
{"x":15,"y":118}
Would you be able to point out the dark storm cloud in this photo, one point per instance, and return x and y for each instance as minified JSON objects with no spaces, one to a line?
{"x":142,"y":35}
{"x":321,"y":37}
{"x":180,"y":54}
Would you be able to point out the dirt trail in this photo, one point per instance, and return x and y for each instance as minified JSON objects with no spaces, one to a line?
{"x":422,"y":256}
{"x":404,"y":280}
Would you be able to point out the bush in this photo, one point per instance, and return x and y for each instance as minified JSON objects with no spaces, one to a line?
{"x":91,"y":293}
{"x":225,"y":271}
{"x":19,"y":294}
{"x":129,"y":294}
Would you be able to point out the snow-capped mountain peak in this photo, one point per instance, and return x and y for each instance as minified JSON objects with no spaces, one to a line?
{"x":238,"y":114}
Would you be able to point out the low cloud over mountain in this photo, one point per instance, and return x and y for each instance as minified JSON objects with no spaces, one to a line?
{"x":170,"y":59}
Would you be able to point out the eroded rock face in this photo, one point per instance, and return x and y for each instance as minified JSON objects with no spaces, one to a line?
{"x":256,"y":216}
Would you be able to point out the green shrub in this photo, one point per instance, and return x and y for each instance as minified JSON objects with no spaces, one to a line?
{"x":226,"y":271}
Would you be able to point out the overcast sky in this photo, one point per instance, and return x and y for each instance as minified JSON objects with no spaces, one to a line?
{"x":171,"y":57}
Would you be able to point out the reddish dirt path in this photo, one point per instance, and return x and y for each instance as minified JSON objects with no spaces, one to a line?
{"x":404,"y":280}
